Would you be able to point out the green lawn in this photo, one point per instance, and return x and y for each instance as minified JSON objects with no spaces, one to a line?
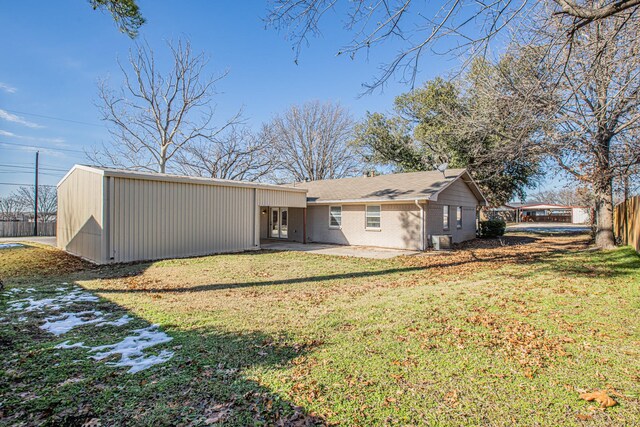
{"x":491,"y":334}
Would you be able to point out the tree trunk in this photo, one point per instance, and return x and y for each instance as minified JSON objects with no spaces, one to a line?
{"x":162,"y":164}
{"x":604,"y":213}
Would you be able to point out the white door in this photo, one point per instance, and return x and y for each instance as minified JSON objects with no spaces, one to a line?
{"x":279,"y":223}
{"x":274,"y":227}
{"x":284,"y":223}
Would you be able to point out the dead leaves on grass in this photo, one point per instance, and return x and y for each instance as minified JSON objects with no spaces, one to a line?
{"x":600,"y":396}
{"x":33,"y":260}
{"x":487,"y":254}
{"x":530,"y":347}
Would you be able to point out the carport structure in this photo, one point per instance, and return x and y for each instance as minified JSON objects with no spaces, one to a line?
{"x":111,"y":215}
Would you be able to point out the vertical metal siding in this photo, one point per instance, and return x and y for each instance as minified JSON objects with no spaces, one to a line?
{"x":155,"y":219}
{"x":281,"y":198}
{"x":81,"y":216}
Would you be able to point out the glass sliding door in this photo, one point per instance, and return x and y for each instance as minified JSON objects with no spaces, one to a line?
{"x":279,"y":223}
{"x":284,"y":223}
{"x":275,"y":223}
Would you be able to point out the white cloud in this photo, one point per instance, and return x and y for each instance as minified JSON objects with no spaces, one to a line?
{"x":59,"y":142}
{"x":5,"y":115}
{"x":9,"y":89}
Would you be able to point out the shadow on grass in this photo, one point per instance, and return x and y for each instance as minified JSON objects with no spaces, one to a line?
{"x":207,"y":380}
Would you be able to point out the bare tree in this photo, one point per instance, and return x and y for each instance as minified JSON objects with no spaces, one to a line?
{"x":417,"y":27}
{"x":312,"y":141}
{"x":570,"y":196}
{"x":156,"y":114}
{"x":10,"y":208}
{"x":47,"y":201}
{"x":237,"y":154}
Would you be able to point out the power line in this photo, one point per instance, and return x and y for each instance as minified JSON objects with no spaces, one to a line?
{"x":25,"y":185}
{"x":43,"y":148}
{"x":30,"y":172}
{"x":55,"y":118}
{"x":31,"y":167}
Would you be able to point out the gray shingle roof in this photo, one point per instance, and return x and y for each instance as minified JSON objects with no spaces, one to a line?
{"x":385,"y":188}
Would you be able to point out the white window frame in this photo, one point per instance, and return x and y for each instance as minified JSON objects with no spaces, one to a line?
{"x":459,"y":220}
{"x":446,"y":209}
{"x":339,"y":226}
{"x":366,"y":216}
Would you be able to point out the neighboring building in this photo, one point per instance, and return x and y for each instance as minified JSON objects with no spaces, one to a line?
{"x":398,"y":210}
{"x":539,"y":212}
{"x":110,"y":215}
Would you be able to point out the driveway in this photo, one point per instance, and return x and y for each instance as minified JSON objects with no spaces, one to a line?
{"x":45,"y":240}
{"x":338,"y":250}
{"x":549,"y":227}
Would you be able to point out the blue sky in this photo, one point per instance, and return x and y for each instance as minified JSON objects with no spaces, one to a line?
{"x":55,"y":52}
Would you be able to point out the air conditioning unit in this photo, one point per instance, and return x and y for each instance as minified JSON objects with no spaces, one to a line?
{"x":441,"y":242}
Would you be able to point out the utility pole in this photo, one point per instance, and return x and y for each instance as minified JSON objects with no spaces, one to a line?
{"x":35,"y":204}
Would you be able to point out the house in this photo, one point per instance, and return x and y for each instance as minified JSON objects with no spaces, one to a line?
{"x":111,"y":215}
{"x":398,"y":210}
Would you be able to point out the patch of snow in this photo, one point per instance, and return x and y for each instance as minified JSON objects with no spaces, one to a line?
{"x":120,"y":322}
{"x":65,"y":322}
{"x":32,"y":304}
{"x":55,"y":303}
{"x":131,"y":349}
{"x":22,"y":319}
{"x":10,"y":245}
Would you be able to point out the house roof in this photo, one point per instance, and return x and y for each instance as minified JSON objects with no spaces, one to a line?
{"x":153,"y":176}
{"x":387,"y":188}
{"x":538,"y":205}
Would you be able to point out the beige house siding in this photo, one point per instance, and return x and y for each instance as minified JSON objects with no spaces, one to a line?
{"x":80,"y":215}
{"x":457,"y":194}
{"x":399,"y":226}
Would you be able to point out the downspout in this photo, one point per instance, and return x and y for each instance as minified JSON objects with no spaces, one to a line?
{"x":417,"y":202}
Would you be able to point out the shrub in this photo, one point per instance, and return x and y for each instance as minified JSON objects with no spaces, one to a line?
{"x":492,"y":228}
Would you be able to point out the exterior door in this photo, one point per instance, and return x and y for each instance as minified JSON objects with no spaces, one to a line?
{"x":279,"y":223}
{"x":274,"y":227}
{"x":284,"y":223}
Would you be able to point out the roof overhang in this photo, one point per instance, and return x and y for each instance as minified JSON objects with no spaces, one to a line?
{"x":149,"y":176}
{"x":366,"y":201}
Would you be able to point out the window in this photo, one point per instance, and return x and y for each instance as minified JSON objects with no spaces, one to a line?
{"x":445,"y":217}
{"x":459,"y":217}
{"x":373,"y":217}
{"x":335,"y":216}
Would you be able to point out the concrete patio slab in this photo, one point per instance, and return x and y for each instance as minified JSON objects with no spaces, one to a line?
{"x":337,"y":250}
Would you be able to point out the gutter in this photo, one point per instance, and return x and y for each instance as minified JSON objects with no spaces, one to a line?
{"x":417,"y":202}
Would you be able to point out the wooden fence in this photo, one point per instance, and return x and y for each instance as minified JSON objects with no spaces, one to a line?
{"x":626,"y":222}
{"x":25,"y":228}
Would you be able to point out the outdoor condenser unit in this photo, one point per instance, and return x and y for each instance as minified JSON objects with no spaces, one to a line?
{"x":441,"y":242}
